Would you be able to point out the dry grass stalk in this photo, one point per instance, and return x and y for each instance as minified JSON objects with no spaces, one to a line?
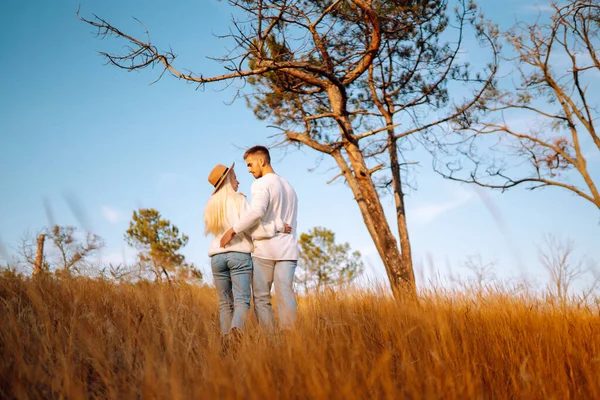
{"x":77,"y":338}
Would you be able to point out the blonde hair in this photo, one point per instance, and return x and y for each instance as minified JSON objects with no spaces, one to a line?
{"x":215,"y":212}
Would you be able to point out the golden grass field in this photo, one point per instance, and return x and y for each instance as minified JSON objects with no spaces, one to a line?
{"x":83,"y":338}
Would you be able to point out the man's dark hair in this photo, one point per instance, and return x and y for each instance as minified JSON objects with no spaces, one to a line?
{"x":260,"y":150}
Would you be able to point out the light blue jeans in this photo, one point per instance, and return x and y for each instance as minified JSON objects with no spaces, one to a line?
{"x":282,"y":273}
{"x":232,"y":274}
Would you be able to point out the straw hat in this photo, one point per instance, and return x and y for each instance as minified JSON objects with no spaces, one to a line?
{"x":218,"y":174}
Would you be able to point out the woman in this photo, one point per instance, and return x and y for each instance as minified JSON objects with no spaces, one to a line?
{"x":232,"y":266}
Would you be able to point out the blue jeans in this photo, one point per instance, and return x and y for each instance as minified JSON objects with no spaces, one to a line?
{"x":232,"y":274}
{"x":282,"y":273}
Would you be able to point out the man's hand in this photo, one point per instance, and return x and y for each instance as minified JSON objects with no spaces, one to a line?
{"x":227,"y":237}
{"x":287,"y":228}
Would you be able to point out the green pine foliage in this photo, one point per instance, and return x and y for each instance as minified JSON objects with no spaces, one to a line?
{"x":324,"y":262}
{"x":158,"y":242}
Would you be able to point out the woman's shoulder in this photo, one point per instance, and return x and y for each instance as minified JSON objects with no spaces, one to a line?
{"x":236,"y":199}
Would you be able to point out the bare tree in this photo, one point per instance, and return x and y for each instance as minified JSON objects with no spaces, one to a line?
{"x":483,"y":271}
{"x":26,"y":250}
{"x":66,"y":249}
{"x":119,"y":272}
{"x":314,"y":65}
{"x":39,"y":255}
{"x":544,"y":124}
{"x":71,"y":250}
{"x":557,"y":256}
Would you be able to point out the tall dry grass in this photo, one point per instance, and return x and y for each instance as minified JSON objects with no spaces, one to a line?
{"x":77,"y":338}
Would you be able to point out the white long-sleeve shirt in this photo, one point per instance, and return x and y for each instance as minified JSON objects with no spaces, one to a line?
{"x":273,"y":198}
{"x":242,"y":243}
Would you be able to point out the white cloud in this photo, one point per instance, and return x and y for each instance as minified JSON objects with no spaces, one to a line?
{"x":111,"y":214}
{"x":427,"y":212}
{"x":368,"y":250}
{"x":115,"y":257}
{"x":538,"y":7}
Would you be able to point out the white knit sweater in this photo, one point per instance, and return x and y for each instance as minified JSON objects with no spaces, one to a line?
{"x":273,"y":199}
{"x":242,"y":243}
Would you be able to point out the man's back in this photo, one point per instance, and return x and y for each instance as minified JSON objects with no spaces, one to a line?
{"x":283,"y":204}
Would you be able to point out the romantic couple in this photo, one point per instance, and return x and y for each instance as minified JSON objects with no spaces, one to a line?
{"x":254,"y":245}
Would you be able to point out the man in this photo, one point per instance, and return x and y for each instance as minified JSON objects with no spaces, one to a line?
{"x":275,"y":258}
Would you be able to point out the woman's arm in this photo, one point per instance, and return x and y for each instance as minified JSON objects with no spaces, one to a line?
{"x":263,"y":230}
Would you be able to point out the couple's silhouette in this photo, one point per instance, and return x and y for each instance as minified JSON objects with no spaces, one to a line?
{"x":254,"y":245}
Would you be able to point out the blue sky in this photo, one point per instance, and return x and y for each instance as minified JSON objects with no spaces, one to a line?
{"x":75,"y":130}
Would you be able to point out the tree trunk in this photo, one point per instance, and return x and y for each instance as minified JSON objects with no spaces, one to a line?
{"x":387,"y":111}
{"x":401,"y":276}
{"x":39,"y":256}
{"x":399,"y":201}
{"x":365,"y":194}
